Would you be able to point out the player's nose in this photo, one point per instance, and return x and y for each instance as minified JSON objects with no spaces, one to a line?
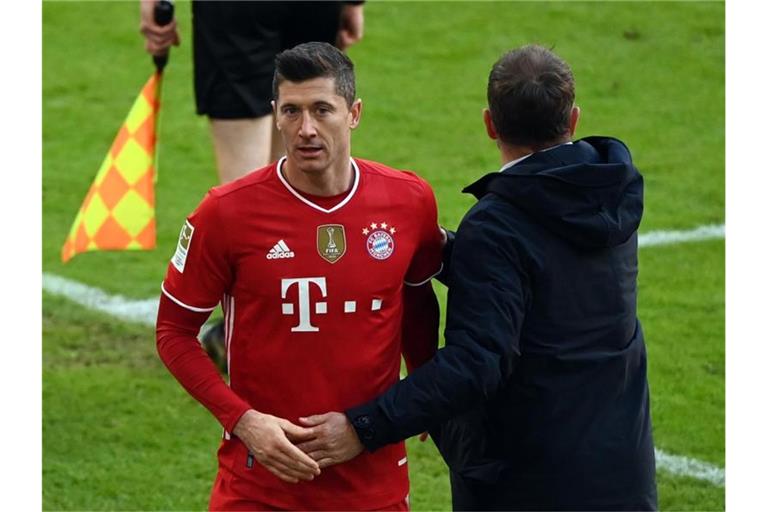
{"x":307,"y":128}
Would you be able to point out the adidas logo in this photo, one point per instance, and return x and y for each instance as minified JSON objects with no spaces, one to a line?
{"x":280,"y":250}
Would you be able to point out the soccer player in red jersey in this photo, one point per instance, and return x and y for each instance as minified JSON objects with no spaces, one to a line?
{"x":321,"y":263}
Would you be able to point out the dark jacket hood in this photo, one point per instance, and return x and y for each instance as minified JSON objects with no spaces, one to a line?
{"x":588,"y":192}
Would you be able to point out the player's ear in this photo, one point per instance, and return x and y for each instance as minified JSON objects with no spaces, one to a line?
{"x":490,"y":129}
{"x":574,"y":120}
{"x":355,"y":111}
{"x":274,"y":112}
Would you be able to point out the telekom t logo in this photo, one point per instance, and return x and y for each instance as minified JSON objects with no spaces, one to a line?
{"x":321,"y":307}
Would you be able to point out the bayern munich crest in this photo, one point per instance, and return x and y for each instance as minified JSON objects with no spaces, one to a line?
{"x":380,"y":243}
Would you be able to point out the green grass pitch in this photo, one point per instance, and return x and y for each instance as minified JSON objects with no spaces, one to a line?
{"x":119,"y":433}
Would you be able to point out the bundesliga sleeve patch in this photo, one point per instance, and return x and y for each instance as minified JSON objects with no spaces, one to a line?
{"x":185,"y":238}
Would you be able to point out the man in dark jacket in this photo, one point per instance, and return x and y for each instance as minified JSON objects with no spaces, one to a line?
{"x":539,"y":399}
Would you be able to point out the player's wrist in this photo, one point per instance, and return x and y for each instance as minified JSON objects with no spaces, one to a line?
{"x":249,"y":417}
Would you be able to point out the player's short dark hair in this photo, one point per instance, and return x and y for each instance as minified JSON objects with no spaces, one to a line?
{"x":530,"y":96}
{"x":315,"y":60}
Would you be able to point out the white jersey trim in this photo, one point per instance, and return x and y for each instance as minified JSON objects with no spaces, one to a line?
{"x":229,"y":326}
{"x":182,"y":304}
{"x":427,"y":279}
{"x":310,"y":203}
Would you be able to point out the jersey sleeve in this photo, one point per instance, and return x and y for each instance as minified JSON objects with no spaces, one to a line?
{"x":427,"y":260}
{"x":200,"y":272}
{"x":177,"y":345}
{"x":421,"y":322}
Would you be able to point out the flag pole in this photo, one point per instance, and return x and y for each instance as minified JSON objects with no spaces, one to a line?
{"x":163,"y":15}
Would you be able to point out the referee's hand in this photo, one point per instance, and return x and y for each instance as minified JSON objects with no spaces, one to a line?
{"x":158,"y":37}
{"x":351,"y":24}
{"x":266,"y":437}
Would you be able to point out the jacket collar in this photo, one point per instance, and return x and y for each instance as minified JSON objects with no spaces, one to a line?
{"x":559,"y":156}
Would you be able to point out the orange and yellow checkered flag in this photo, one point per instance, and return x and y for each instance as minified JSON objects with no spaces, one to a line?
{"x":118,"y":212}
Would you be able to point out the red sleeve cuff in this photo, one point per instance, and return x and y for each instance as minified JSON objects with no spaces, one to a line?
{"x":230,"y":422}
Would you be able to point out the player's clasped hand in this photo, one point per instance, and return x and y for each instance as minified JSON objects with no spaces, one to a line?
{"x":270,"y":439}
{"x":334,"y":439}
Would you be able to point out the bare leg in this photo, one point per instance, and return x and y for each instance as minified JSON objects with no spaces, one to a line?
{"x":241,"y":145}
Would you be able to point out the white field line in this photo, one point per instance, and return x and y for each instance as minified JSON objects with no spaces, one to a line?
{"x":138,"y":311}
{"x":685,"y":466}
{"x":675,"y":237}
{"x":145,"y":312}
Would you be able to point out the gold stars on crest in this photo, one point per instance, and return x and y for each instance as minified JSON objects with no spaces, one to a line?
{"x":384,"y":226}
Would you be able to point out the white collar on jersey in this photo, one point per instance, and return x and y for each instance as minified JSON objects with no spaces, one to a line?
{"x":310,"y":203}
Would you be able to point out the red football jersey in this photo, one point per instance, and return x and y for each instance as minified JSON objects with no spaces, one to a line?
{"x":312,"y":299}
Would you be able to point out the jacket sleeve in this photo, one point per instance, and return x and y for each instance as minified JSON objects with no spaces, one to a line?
{"x":486,"y":307}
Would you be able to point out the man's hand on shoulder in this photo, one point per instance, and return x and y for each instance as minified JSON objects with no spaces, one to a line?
{"x":269,"y":439}
{"x":334,"y":439}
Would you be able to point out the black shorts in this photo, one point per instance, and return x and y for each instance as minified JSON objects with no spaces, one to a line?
{"x":235,"y":44}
